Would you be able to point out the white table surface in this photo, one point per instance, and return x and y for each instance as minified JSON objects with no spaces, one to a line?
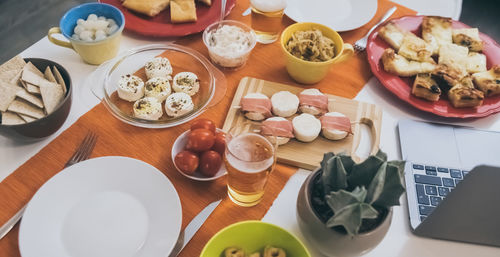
{"x":399,"y":241}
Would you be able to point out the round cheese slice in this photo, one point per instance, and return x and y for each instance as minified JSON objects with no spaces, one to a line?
{"x":312,"y":101}
{"x":285,"y":104}
{"x":148,"y":108}
{"x":130,"y":88}
{"x":186,"y":82}
{"x":256,"y":106}
{"x":178,"y":104}
{"x":158,"y":67}
{"x":333,"y":134}
{"x":158,"y":88}
{"x":306,"y":127}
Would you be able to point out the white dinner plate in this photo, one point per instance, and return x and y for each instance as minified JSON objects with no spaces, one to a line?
{"x":340,"y":15}
{"x":103,"y":207}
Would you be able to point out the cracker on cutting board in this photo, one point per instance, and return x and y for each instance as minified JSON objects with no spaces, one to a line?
{"x":60,"y":79}
{"x":23,"y":107}
{"x":10,"y":118}
{"x":26,"y":118}
{"x":52,"y":95}
{"x":33,"y":99}
{"x":7,"y":94}
{"x":182,"y":11}
{"x":49,"y":75}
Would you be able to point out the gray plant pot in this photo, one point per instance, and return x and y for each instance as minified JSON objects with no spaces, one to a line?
{"x":328,"y":241}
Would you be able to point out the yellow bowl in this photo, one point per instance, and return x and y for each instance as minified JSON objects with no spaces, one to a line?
{"x":307,"y":72}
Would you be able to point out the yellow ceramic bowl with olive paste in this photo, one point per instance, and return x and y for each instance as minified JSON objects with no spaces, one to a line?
{"x":308,"y":72}
{"x":253,"y":236}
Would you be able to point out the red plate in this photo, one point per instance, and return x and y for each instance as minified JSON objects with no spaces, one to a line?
{"x":160,"y":25}
{"x":401,"y":87}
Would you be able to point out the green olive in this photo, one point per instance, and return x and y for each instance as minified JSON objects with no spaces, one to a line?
{"x":257,"y":254}
{"x":234,"y":252}
{"x":270,"y":251}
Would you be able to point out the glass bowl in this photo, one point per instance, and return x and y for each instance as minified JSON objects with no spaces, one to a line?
{"x":132,"y":62}
{"x":221,"y":57}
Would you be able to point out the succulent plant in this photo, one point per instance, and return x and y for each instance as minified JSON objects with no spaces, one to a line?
{"x":359,"y":191}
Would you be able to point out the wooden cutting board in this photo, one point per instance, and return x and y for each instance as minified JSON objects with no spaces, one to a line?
{"x":308,"y":155}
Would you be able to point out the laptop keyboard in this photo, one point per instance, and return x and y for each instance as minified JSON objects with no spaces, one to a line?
{"x":433,"y":183}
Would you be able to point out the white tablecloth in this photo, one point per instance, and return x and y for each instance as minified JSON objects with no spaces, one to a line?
{"x":399,"y":241}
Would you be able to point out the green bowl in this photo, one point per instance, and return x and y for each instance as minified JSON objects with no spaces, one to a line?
{"x":253,"y":236}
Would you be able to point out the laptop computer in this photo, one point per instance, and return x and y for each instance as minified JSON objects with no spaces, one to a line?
{"x":447,"y":197}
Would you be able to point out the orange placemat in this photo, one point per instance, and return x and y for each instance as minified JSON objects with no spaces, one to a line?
{"x":154,"y":146}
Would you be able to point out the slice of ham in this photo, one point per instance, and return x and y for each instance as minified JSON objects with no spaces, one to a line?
{"x":318,"y":101}
{"x":260,"y":105}
{"x":338,"y":123}
{"x":281,"y":128}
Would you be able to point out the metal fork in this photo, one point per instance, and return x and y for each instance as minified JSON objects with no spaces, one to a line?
{"x":82,"y":153}
{"x":360,"y":45}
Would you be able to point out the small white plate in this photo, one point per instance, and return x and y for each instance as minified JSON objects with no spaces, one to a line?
{"x":339,"y":15}
{"x":103,"y":207}
{"x":180,"y":144}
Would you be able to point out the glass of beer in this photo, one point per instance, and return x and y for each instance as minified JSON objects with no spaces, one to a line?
{"x":266,"y":19}
{"x":249,"y":159}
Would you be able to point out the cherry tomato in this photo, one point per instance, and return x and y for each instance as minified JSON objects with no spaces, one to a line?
{"x":200,"y":140}
{"x":210,"y":163}
{"x":187,"y":162}
{"x":220,"y":143}
{"x":203,"y":123}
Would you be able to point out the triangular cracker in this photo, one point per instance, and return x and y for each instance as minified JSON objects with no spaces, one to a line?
{"x":33,"y":99}
{"x":17,"y":79}
{"x":60,"y":79}
{"x":32,"y":89}
{"x":16,"y":63}
{"x":10,"y":118}
{"x":32,"y":75}
{"x":52,"y":95}
{"x":49,"y":75}
{"x":9,"y":76}
{"x":26,"y":118}
{"x":23,"y":107}
{"x":7,"y":95}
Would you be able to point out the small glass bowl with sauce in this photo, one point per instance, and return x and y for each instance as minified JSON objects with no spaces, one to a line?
{"x":229,"y":43}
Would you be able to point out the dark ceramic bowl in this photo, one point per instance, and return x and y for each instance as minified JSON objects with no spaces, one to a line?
{"x":49,"y":124}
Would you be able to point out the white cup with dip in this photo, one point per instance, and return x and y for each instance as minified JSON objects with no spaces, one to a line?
{"x":229,"y":43}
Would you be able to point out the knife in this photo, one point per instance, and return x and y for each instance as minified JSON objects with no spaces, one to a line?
{"x":193,"y":227}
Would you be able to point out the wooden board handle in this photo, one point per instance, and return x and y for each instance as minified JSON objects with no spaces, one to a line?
{"x":374,"y":142}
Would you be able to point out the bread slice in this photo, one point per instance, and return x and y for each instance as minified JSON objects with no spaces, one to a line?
{"x":468,"y":38}
{"x":393,"y":34}
{"x":416,"y":49}
{"x":449,"y":74}
{"x":452,"y":53}
{"x":475,"y":62}
{"x":400,"y":66}
{"x":437,"y":31}
{"x":462,"y":96}
{"x":425,"y":87}
{"x":488,"y":81}
{"x":150,"y":7}
{"x":182,"y":11}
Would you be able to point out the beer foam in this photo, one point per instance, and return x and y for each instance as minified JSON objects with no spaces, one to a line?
{"x":268,"y":5}
{"x":246,"y":155}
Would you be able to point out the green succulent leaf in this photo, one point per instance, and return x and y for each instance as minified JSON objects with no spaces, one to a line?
{"x":363,"y":173}
{"x":377,"y":184}
{"x":380,"y":154}
{"x":349,"y":217}
{"x":368,"y":212}
{"x":342,"y":198}
{"x":326,"y":157}
{"x":347,"y":161}
{"x":334,"y":175}
{"x":393,"y":188}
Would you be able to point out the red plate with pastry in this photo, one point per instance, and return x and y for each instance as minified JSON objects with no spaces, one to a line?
{"x":438,"y":65}
{"x":169,"y":18}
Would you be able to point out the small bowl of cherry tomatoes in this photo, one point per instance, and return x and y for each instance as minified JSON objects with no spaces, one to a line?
{"x":198,"y":153}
